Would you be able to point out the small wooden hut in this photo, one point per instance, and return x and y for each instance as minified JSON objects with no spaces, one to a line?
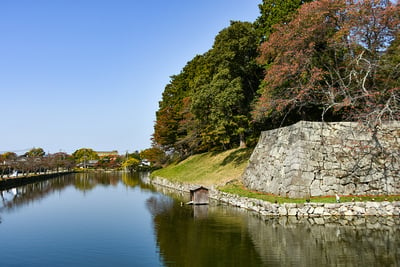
{"x":199,"y":196}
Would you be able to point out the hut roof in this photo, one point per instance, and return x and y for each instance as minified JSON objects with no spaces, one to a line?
{"x":194,"y":189}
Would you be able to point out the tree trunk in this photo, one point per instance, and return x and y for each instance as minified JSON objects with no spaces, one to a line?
{"x":242,"y":141}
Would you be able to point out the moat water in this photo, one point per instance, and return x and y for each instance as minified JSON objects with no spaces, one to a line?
{"x":116,"y":219}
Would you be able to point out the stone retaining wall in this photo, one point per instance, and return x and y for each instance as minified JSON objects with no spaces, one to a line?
{"x":318,"y":159}
{"x":294,"y":209}
{"x":312,"y":209}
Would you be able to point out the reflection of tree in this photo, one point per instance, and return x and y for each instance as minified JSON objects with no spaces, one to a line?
{"x":210,"y":241}
{"x":88,"y":180}
{"x":137,"y":179}
{"x":130,"y":180}
{"x":84,"y":183}
{"x":23,"y":195}
{"x":11,"y":198}
{"x":14,"y":197}
{"x":159,"y":204}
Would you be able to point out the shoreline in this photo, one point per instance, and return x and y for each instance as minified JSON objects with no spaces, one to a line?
{"x":10,"y":182}
{"x":303,"y":210}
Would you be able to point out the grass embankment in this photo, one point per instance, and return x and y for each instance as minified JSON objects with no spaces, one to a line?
{"x":224,"y":170}
{"x":212,"y":168}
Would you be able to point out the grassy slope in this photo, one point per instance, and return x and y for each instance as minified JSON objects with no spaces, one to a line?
{"x":212,"y":168}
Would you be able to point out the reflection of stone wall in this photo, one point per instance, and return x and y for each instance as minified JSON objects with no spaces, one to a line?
{"x":315,"y":159}
{"x":287,"y":241}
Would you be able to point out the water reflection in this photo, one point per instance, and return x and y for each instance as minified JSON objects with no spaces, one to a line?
{"x":218,"y":235}
{"x":215,"y":238}
{"x":337,"y":242}
{"x":182,"y":235}
{"x":20,"y":196}
{"x":85,"y":181}
{"x":83,"y":219}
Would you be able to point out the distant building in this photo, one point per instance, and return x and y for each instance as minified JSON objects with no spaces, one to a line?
{"x":112,"y":154}
{"x":87,"y":164}
{"x":145,"y":162}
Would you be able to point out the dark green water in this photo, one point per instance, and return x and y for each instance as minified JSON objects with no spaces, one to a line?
{"x":114,"y":219}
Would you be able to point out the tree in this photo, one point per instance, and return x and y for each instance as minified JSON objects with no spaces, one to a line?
{"x":109,"y":162}
{"x":328,"y":58}
{"x":172,"y":124}
{"x":35,"y":152}
{"x":132,"y":164}
{"x":34,"y":160}
{"x":221,"y":98}
{"x":274,"y":12}
{"x":221,"y":103}
{"x":390,"y":71}
{"x":82,"y":155}
{"x":7,"y":162}
{"x":154,"y":155}
{"x":207,"y":106}
{"x":57,"y":161}
{"x":8,"y":156}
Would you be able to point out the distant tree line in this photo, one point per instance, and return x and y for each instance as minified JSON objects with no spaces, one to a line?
{"x":37,"y":161}
{"x":34,"y":161}
{"x":327,"y":60}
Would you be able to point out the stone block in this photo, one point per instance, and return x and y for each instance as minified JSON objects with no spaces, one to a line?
{"x":319,"y":210}
{"x":349,"y":213}
{"x":292,"y":212}
{"x":359,"y":210}
{"x":330,"y":180}
{"x":310,"y":210}
{"x":315,"y":188}
{"x":371,"y":204}
{"x":282,"y":211}
{"x":348,"y":189}
{"x":290,"y":205}
{"x":342,"y":209}
{"x":371,"y":212}
{"x":302,"y":211}
{"x":332,"y":205}
{"x":390,"y":208}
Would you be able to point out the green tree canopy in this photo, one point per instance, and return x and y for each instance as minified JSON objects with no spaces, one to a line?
{"x":35,"y":152}
{"x":275,"y":12}
{"x":207,"y":106}
{"x":132,"y":164}
{"x":8,"y":156}
{"x":173,"y":118}
{"x":84,"y":154}
{"x":222,"y":101}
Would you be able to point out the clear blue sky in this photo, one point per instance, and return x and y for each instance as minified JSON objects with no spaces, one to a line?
{"x":90,"y":73}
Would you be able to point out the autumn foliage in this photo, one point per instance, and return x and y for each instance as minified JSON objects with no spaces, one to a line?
{"x":333,"y":56}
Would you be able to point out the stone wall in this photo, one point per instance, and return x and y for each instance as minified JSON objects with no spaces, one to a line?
{"x":318,"y":159}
